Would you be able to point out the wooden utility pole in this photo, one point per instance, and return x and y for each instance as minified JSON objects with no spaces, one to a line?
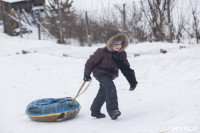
{"x":61,"y":31}
{"x":39,"y":31}
{"x":38,"y":24}
{"x":124,"y":18}
{"x":88,"y":30}
{"x":20,"y":25}
{"x":169,"y":20}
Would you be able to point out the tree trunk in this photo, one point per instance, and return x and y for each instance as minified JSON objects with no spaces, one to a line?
{"x":169,"y":20}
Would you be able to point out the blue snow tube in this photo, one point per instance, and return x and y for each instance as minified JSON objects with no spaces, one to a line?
{"x":52,"y":109}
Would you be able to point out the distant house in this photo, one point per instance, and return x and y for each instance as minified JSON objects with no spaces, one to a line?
{"x":10,"y":6}
{"x":27,"y":5}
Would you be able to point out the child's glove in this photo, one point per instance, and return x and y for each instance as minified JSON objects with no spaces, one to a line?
{"x":86,"y":77}
{"x":133,"y":87}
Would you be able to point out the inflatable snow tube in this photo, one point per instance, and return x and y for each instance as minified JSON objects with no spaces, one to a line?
{"x":52,"y":109}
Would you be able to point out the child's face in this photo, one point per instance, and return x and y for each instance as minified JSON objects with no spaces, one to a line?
{"x":117,"y":47}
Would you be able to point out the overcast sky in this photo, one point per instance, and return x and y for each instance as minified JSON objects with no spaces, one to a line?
{"x":96,"y":8}
{"x":92,"y":5}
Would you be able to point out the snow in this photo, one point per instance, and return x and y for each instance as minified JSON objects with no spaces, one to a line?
{"x":166,"y":99}
{"x":38,"y":8}
{"x":13,"y":1}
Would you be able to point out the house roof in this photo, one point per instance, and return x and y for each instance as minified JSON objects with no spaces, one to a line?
{"x":14,"y":1}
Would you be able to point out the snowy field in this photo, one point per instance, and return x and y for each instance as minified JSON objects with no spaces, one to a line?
{"x":166,"y":99}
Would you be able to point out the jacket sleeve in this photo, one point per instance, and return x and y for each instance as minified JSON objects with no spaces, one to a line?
{"x":124,"y":58}
{"x":93,"y":61}
{"x":126,"y":70}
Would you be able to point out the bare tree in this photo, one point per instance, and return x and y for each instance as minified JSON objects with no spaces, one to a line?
{"x":196,"y":23}
{"x":180,"y":27}
{"x":121,"y":9}
{"x":158,"y":15}
{"x":170,"y":5}
{"x":100,"y":27}
{"x":80,"y":30}
{"x":137,"y":28}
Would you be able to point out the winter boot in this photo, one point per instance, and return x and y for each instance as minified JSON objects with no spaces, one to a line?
{"x":98,"y":115}
{"x":115,"y":114}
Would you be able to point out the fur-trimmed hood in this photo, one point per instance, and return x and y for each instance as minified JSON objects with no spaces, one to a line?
{"x":116,"y":36}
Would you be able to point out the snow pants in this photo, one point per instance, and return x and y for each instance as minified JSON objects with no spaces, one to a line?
{"x":107,"y":93}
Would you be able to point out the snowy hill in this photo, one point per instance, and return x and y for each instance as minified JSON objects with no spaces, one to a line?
{"x":166,"y":99}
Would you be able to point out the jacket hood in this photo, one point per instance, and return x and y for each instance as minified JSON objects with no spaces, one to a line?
{"x":116,"y":36}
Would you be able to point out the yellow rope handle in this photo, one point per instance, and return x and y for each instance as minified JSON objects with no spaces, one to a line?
{"x":85,"y":88}
{"x":71,"y":104}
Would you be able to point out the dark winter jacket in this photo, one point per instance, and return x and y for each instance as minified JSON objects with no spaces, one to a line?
{"x":102,"y":61}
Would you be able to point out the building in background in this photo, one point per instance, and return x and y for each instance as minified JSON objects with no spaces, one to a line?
{"x":9,"y":8}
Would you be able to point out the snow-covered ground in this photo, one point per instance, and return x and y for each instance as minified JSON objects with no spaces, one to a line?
{"x":166,"y":99}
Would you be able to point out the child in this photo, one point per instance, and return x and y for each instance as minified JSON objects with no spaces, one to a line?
{"x":105,"y":63}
